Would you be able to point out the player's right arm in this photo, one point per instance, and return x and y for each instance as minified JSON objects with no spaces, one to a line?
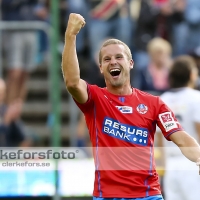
{"x":70,"y":66}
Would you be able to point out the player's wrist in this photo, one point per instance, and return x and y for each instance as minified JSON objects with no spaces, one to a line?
{"x":70,"y":33}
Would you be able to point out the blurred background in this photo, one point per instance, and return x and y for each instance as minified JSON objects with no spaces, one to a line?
{"x":35,"y":107}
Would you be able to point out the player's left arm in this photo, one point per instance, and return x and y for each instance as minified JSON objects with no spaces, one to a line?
{"x":187,"y":144}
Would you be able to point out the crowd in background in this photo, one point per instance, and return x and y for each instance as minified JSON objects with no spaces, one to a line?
{"x":156,"y":31}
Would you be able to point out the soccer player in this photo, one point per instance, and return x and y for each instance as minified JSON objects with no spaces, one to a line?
{"x":185,"y":103}
{"x":121,"y":121}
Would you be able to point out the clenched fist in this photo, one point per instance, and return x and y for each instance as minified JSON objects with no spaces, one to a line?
{"x":75,"y":23}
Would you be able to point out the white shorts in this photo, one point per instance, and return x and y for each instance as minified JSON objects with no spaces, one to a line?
{"x":20,"y":49}
{"x":181,"y":180}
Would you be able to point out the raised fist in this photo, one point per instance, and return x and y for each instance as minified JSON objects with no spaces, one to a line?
{"x":75,"y":23}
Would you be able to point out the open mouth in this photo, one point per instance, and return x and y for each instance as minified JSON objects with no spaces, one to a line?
{"x":115,"y":72}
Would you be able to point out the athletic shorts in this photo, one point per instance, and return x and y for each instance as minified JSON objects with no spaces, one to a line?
{"x":181,"y":180}
{"x":21,"y":49}
{"x":156,"y":197}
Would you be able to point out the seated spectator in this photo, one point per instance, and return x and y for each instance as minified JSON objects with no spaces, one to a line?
{"x":154,"y":76}
{"x":11,"y":130}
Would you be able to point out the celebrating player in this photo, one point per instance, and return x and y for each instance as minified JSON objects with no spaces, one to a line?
{"x":121,"y":121}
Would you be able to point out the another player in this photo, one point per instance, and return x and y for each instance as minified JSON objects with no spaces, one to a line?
{"x":185,"y":102}
{"x":121,"y":121}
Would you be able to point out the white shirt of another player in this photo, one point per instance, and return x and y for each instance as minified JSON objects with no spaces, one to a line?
{"x":185,"y":103}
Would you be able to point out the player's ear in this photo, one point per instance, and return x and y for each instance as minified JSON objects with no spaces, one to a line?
{"x":131,"y":64}
{"x":194,"y":75}
{"x":100,"y":67}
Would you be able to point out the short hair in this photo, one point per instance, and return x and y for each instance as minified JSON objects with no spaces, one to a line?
{"x":159,"y":44}
{"x":115,"y":41}
{"x":182,"y":67}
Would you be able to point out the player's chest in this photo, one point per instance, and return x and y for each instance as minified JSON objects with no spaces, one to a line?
{"x":128,"y":121}
{"x":134,"y":112}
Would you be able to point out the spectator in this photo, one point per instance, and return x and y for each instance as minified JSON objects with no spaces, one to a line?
{"x":186,"y":33}
{"x":157,"y":18}
{"x":110,"y":22}
{"x":11,"y":130}
{"x":154,"y":77}
{"x":20,"y":46}
{"x":42,"y":14}
{"x":191,"y":30}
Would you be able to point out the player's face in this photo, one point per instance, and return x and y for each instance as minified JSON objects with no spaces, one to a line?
{"x":115,"y":65}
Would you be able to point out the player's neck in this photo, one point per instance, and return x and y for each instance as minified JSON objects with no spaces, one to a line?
{"x":191,"y":85}
{"x":124,"y":90}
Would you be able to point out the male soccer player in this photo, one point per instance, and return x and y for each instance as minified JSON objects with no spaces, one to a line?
{"x":185,"y":103}
{"x":121,"y":122}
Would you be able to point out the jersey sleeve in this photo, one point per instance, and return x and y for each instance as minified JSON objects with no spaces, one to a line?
{"x":89,"y":104}
{"x":166,"y":120}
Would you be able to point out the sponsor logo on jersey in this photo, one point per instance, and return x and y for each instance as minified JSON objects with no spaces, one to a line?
{"x":125,"y":132}
{"x":166,"y":117}
{"x":167,"y":121}
{"x":125,"y":109}
{"x":142,"y":109}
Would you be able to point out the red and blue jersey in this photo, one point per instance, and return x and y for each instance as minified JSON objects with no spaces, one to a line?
{"x":122,"y":132}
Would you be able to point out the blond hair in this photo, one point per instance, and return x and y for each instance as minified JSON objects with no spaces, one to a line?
{"x":115,"y":41}
{"x":159,"y":44}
